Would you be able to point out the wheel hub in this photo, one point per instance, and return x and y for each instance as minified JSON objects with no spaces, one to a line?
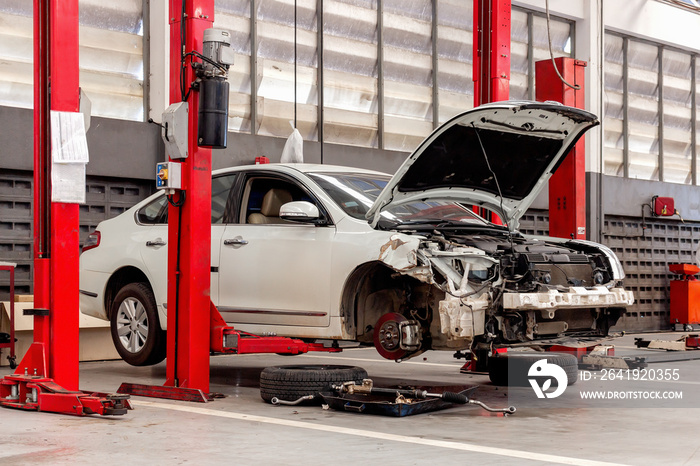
{"x":395,"y":336}
{"x":132,"y":325}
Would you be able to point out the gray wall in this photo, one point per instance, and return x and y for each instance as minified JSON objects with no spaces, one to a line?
{"x":127,"y":149}
{"x":120,"y":149}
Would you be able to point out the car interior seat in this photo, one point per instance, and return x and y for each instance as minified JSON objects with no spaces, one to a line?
{"x":270,"y":209}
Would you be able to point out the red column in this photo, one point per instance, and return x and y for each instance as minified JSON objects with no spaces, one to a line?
{"x":491,"y":64}
{"x":567,"y":187}
{"x":55,"y":349}
{"x":188,"y":306}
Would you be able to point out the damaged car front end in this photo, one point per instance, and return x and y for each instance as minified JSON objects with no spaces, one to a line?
{"x":489,"y":284}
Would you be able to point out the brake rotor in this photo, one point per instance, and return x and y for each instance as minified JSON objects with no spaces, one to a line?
{"x":387,"y":336}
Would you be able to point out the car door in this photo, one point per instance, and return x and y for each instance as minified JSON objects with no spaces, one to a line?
{"x":275,"y":273}
{"x":153,"y":244}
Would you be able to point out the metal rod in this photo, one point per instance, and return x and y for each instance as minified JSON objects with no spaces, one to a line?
{"x":436,"y":93}
{"x":295,"y":63}
{"x":146,"y":58}
{"x":693,"y":119}
{"x":661,"y":112}
{"x":253,"y":67}
{"x":320,"y":89}
{"x":530,"y":57}
{"x":508,"y":410}
{"x":276,"y":401}
{"x":380,"y":74}
{"x":625,"y":110}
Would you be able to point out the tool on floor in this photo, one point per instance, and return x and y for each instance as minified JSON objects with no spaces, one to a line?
{"x":366,"y":398}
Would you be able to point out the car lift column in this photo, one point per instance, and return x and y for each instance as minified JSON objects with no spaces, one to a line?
{"x":54,"y":352}
{"x":189,"y":226}
{"x":567,"y":187}
{"x":491,"y":66}
{"x":47,"y":377}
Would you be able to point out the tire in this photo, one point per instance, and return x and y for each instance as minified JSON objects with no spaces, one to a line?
{"x":136,"y":331}
{"x":517,"y":365}
{"x":290,"y":383}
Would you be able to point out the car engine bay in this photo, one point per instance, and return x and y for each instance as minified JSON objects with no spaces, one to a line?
{"x":503,"y":288}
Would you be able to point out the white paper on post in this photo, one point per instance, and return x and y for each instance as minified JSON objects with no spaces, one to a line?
{"x":69,"y":154}
{"x":68,"y":183}
{"x":68,"y":141}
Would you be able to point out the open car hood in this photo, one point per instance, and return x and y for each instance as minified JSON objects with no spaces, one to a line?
{"x":521,"y":143}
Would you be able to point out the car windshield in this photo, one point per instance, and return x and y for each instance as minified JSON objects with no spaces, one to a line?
{"x":356,"y":192}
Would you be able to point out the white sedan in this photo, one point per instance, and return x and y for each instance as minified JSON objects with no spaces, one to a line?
{"x":402,"y":262}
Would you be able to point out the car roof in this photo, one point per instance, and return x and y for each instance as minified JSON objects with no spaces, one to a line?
{"x":301,"y":167}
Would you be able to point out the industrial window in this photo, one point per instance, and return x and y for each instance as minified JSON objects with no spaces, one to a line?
{"x":408,"y":79}
{"x":111,"y":56}
{"x":373,"y":84}
{"x":234,"y":16}
{"x":350,"y":72}
{"x":650,"y":111}
{"x":454,"y":49}
{"x":285,"y":93}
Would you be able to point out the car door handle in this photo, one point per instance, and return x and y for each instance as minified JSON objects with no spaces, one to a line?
{"x":235,"y":242}
{"x":156,"y":242}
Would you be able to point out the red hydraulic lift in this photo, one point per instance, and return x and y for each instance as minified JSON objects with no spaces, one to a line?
{"x":491,"y":65}
{"x":195,"y":327}
{"x":567,"y":187}
{"x":47,"y":377}
{"x":189,"y":225}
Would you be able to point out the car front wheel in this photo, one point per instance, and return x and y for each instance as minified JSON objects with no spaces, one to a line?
{"x":136,"y":331}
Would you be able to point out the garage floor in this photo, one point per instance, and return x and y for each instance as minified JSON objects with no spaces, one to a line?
{"x":242,"y":429}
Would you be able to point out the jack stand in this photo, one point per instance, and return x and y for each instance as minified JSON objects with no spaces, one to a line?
{"x":478,"y":359}
{"x":686,"y":342}
{"x":600,"y":357}
{"x":583,"y":351}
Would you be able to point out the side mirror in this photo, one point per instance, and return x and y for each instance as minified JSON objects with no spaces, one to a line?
{"x":300,"y":211}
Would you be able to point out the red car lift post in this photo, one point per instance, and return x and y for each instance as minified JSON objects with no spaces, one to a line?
{"x":491,"y":65}
{"x":567,"y":187}
{"x":189,"y":225}
{"x":491,"y":76}
{"x":47,"y":377}
{"x":195,"y":327}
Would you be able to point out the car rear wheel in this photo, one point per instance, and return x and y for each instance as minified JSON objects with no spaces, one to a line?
{"x":136,"y":331}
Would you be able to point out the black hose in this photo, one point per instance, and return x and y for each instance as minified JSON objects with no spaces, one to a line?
{"x":452,"y":397}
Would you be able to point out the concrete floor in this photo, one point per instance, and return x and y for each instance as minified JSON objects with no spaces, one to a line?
{"x":241,"y":429}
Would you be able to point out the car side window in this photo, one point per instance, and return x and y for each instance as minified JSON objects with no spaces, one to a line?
{"x":153,"y":213}
{"x":221,"y":200}
{"x":156,"y":211}
{"x":265,"y":195}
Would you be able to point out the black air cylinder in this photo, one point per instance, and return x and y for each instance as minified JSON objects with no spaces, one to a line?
{"x":213,"y":113}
